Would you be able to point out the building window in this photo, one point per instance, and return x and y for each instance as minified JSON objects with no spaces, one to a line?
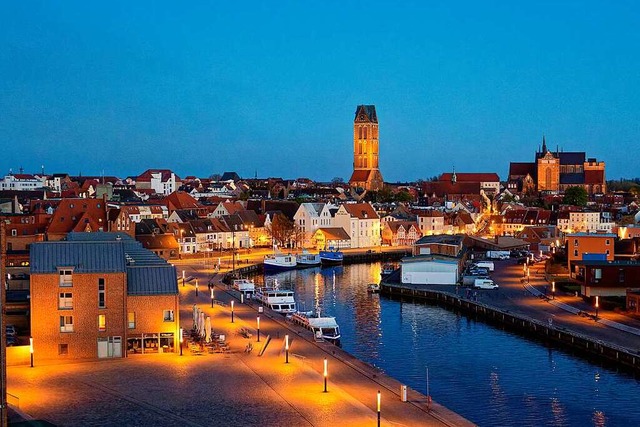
{"x":63,"y":349}
{"x":575,"y":252}
{"x":14,"y":232}
{"x":167,"y":315}
{"x":101,"y":293}
{"x":65,"y":301}
{"x":598,"y":273}
{"x":621,"y":275}
{"x":607,"y":242}
{"x":131,"y":320}
{"x":66,"y":277}
{"x":102,"y":322}
{"x":66,"y":323}
{"x":575,"y":242}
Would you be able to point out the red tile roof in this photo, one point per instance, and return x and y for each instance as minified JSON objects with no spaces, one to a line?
{"x":471,"y":177}
{"x":361,"y":210}
{"x":360,"y":176}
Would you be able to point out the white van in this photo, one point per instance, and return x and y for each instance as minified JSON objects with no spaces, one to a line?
{"x":485,"y":264}
{"x":485,"y":284}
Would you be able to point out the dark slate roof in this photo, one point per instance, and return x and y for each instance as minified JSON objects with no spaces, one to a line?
{"x":147,"y":273}
{"x":572,"y":158}
{"x":230,"y":176}
{"x":84,"y":257}
{"x":155,"y":280}
{"x":369,"y":111}
{"x":571,"y":178}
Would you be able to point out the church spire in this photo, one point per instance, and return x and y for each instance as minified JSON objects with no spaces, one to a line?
{"x":544,"y":145}
{"x":454,"y":177}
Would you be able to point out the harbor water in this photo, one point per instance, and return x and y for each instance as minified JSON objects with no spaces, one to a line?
{"x":490,"y":376}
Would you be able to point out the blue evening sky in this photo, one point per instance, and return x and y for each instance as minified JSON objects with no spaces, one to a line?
{"x":272,"y":87}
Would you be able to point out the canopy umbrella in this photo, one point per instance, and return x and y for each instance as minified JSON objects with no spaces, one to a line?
{"x":207,"y":329}
{"x":195,"y":316}
{"x":201,"y":323}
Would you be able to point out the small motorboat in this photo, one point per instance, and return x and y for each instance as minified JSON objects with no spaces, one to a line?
{"x":373,"y":288}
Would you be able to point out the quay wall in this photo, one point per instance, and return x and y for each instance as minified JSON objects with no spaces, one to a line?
{"x":605,"y":352}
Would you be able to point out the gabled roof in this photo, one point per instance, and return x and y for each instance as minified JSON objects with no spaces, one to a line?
{"x":471,"y":177}
{"x":517,"y":169}
{"x":334,"y":233}
{"x":360,"y":175}
{"x":165,"y":175}
{"x":361,"y":210}
{"x":366,"y":113}
{"x":83,"y":257}
{"x":70,"y":212}
{"x":181,"y":200}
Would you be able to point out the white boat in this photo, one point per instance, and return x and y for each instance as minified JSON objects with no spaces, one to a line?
{"x":322,"y":327}
{"x":373,"y":288}
{"x":279,"y":261}
{"x":245,"y":286}
{"x":279,"y":300}
{"x":307,"y":259}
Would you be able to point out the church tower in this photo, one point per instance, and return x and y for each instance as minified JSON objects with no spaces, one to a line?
{"x":366,"y":173}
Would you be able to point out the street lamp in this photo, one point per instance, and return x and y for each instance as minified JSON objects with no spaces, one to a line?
{"x":181,"y":339}
{"x":211,"y":297}
{"x":286,"y":349}
{"x":182,"y":277}
{"x":528,"y":275}
{"x":597,"y":305}
{"x":378,"y":408}
{"x":325,"y":374}
{"x":258,"y":324}
{"x":553,"y":289}
{"x":232,"y":311}
{"x":196,"y":287}
{"x":31,"y":349}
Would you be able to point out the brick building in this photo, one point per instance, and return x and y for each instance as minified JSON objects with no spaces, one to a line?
{"x":366,"y":150}
{"x":589,"y":247}
{"x":96,"y":292}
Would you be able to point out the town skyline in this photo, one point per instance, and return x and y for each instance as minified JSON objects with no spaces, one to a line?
{"x":205,"y":89}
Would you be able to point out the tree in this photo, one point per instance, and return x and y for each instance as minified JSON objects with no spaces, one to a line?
{"x":337,"y":180}
{"x":281,"y":229}
{"x":403,"y":196}
{"x":215,"y":177}
{"x":575,"y":196}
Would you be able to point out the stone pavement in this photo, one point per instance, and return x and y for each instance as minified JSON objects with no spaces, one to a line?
{"x":235,"y":389}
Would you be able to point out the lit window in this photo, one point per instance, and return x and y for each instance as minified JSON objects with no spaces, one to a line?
{"x":167,"y":315}
{"x":131,"y":320}
{"x":66,"y":323}
{"x":66,"y":277}
{"x":65,"y":301}
{"x":102,"y":322}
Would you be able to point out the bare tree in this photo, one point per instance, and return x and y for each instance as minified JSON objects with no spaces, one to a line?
{"x":281,"y":229}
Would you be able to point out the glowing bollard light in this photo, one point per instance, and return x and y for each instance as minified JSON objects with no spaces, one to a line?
{"x":597,"y":305}
{"x":31,"y":349}
{"x":211,"y":297}
{"x":258,"y":327}
{"x":553,"y":290}
{"x":286,"y":349}
{"x":378,"y":408}
{"x":326,"y":373}
{"x":196,"y":287}
{"x":232,"y":311}
{"x":181,"y":339}
{"x":182,"y":277}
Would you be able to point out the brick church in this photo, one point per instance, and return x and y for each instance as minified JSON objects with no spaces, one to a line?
{"x":366,"y":174}
{"x":555,"y":171}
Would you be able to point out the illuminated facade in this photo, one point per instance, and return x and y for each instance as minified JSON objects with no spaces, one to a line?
{"x":101,"y":295}
{"x":366,"y":150}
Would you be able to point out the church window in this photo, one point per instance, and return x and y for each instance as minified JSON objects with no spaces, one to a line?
{"x":365,"y":133}
{"x":359,"y":132}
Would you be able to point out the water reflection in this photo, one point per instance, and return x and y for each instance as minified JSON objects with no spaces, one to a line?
{"x":488,"y":375}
